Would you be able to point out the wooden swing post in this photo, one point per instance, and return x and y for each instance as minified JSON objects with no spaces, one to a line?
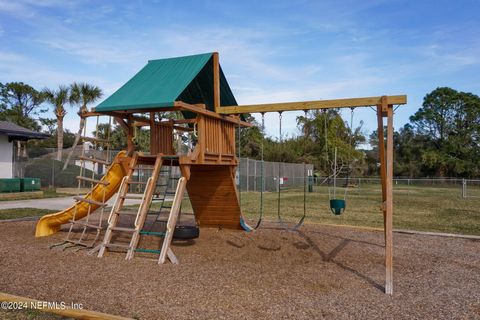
{"x":386,"y":174}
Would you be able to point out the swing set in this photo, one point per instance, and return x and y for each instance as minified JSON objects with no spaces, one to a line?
{"x":384,"y":109}
{"x":337,"y":205}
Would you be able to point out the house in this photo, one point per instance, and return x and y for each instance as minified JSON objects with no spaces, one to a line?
{"x":10,"y":132}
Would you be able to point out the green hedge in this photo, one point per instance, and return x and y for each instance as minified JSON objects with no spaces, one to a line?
{"x":49,"y":171}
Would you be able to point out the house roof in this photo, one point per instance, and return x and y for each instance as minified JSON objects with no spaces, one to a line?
{"x":16,"y":132}
{"x":162,"y":82}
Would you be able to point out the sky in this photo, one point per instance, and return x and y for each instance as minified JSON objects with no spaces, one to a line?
{"x":270,"y":51}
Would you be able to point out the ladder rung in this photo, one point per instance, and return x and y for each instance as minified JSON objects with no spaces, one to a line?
{"x":136,"y":182}
{"x":131,"y":197}
{"x":127,"y":246}
{"x":105,"y":183}
{"x":128,"y":213}
{"x":105,"y":162}
{"x":123,"y":229}
{"x":147,"y":156}
{"x":153,"y":233}
{"x":86,"y":224}
{"x":97,"y":203}
{"x":93,"y":139}
{"x":142,"y":168}
{"x":147,"y":250}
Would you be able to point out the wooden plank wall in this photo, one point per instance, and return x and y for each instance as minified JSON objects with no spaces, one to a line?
{"x":161,"y":139}
{"x":219,"y":136}
{"x":212,"y":192}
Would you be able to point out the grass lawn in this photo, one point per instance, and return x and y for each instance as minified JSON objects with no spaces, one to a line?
{"x":432,"y":208}
{"x":16,"y":213}
{"x":47,"y":193}
{"x":423,"y":208}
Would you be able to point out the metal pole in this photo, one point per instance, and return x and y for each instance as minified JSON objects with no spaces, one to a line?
{"x":255,"y":175}
{"x":247,"y":175}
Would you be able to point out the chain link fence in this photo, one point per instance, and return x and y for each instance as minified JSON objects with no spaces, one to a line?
{"x":252,"y":175}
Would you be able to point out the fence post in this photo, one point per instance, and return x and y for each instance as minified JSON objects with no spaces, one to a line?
{"x":255,"y":175}
{"x":247,"y":175}
{"x":464,"y":188}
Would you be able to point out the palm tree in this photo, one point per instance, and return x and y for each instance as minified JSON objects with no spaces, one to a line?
{"x":58,"y":98}
{"x":81,"y":94}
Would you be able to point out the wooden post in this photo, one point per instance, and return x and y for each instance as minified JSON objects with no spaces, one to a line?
{"x":216,"y":82}
{"x":172,"y":222}
{"x":386,"y":174}
{"x":389,"y":206}
{"x":130,"y":144}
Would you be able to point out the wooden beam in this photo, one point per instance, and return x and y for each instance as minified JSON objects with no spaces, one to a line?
{"x":208,"y":113}
{"x":312,"y":105}
{"x":90,"y":114}
{"x":68,"y":311}
{"x":389,"y":205}
{"x":216,"y":82}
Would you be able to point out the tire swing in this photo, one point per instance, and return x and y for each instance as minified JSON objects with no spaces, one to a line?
{"x":337,"y":205}
{"x":280,"y":174}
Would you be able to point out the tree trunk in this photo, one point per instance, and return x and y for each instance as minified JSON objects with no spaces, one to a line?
{"x":59,"y":137}
{"x":77,"y":137}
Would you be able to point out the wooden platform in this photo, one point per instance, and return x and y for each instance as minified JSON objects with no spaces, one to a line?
{"x":213,"y":194}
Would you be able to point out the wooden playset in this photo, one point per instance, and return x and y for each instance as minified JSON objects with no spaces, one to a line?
{"x":196,"y":88}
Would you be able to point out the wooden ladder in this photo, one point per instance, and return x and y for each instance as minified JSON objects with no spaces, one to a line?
{"x":166,"y":251}
{"x":155,"y":161}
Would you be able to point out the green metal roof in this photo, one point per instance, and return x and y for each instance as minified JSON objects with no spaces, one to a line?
{"x":162,"y":82}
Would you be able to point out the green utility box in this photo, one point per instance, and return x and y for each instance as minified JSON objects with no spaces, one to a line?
{"x":10,"y":185}
{"x":30,"y":184}
{"x":310,"y":184}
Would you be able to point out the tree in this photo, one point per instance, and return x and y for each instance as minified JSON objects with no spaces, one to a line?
{"x":19,"y":102}
{"x":323,"y":131}
{"x":449,"y":126}
{"x":58,"y":98}
{"x":118,"y":138}
{"x":82,"y":94}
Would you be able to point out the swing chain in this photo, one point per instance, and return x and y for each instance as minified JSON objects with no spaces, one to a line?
{"x":280,"y":125}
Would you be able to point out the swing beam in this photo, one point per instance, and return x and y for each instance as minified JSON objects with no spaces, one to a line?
{"x":313,"y":105}
{"x":384,"y":109}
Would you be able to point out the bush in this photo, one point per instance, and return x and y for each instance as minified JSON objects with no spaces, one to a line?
{"x":49,"y":171}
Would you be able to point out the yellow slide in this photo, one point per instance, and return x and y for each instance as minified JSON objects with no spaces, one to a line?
{"x":50,"y":224}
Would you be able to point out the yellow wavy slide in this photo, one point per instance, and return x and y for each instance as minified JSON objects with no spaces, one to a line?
{"x":51,"y":223}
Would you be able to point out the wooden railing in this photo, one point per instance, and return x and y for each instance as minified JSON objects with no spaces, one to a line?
{"x":216,"y":140}
{"x":161,"y":138}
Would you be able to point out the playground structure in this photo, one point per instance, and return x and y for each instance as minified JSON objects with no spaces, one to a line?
{"x":196,"y":87}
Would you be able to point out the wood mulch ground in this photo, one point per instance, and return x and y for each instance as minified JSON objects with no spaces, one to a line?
{"x":318,"y":272}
